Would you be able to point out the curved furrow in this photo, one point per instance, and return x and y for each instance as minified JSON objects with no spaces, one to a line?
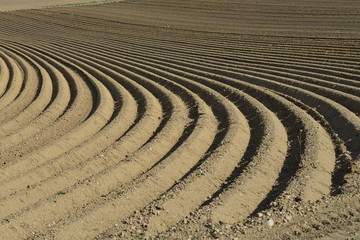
{"x":16,"y":82}
{"x":235,"y":58}
{"x":311,"y":183}
{"x":340,"y":108}
{"x":322,"y":157}
{"x":30,"y":89}
{"x":349,"y":101}
{"x":247,"y":86}
{"x":99,"y":117}
{"x":328,"y":172}
{"x":163,"y":176}
{"x":143,"y":158}
{"x":67,"y":105}
{"x":53,"y":121}
{"x":262,"y":159}
{"x":53,"y":174}
{"x":212,"y":173}
{"x":302,"y":66}
{"x":158,"y":140}
{"x":343,"y":159}
{"x":4,"y":76}
{"x":310,"y":124}
{"x":313,"y":130}
{"x":78,"y":15}
{"x":309,"y":158}
{"x":283,"y":64}
{"x":242,"y":53}
{"x":126,"y":143}
{"x":167,"y":119}
{"x":121,"y":122}
{"x":204,"y":46}
{"x":332,"y":111}
{"x":239,"y":76}
{"x":329,"y":80}
{"x":270,"y":45}
{"x":37,"y":107}
{"x":99,"y":76}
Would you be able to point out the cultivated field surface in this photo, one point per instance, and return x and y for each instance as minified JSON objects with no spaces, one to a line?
{"x":169,"y":119}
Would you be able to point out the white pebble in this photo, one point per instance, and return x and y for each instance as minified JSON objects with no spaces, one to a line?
{"x":270,"y":222}
{"x":288,"y":217}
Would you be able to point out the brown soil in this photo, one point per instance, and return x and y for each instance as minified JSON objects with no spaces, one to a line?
{"x":169,"y":119}
{"x":11,"y":5}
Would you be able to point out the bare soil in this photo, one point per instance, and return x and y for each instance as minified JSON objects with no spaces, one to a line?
{"x":168,"y":119}
{"x":11,"y":5}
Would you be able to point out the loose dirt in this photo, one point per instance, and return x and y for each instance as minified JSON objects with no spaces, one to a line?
{"x":180,"y":119}
{"x":12,"y":5}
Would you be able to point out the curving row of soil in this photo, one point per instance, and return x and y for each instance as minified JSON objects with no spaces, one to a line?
{"x":180,"y":119}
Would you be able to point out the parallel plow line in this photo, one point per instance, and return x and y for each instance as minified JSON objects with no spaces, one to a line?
{"x":106,"y":128}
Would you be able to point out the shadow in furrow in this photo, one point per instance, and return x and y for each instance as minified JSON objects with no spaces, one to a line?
{"x":11,"y":75}
{"x":343,"y":157}
{"x":70,"y":80}
{"x":289,"y":169}
{"x":39,"y":76}
{"x":83,"y":76}
{"x":256,"y":134}
{"x":165,"y":102}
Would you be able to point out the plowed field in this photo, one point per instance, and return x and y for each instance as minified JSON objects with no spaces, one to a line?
{"x":168,"y":119}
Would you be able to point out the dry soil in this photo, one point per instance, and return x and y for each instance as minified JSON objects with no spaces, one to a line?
{"x":167,"y":119}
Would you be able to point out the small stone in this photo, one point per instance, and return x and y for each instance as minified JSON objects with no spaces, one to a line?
{"x":260,"y":215}
{"x":317,"y":226}
{"x":270,"y":222}
{"x":297,"y":199}
{"x":326,"y":222}
{"x":288,"y":217}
